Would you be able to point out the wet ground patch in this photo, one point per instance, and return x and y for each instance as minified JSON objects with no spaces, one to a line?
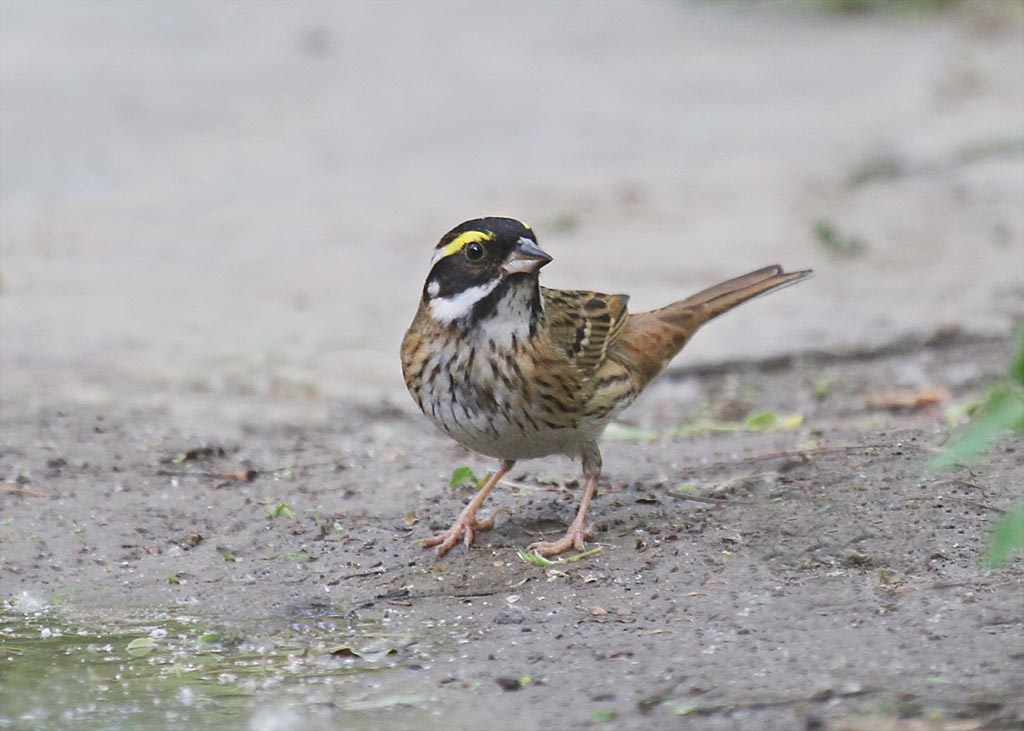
{"x":158,"y":669}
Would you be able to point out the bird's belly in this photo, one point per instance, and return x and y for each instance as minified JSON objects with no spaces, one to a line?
{"x":502,"y":430}
{"x":491,"y":411}
{"x":506,"y":440}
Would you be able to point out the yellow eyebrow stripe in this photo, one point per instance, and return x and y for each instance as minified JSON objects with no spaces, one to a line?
{"x":456,"y":245}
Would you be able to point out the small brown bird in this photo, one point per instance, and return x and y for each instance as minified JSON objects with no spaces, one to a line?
{"x":514,"y":370}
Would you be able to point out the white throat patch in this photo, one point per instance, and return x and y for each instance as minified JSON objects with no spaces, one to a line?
{"x":511,"y":317}
{"x":450,"y":309}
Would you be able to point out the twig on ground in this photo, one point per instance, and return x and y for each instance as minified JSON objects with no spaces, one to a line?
{"x":345,"y":577}
{"x":819,"y":697}
{"x":528,"y":486}
{"x":243,"y":475}
{"x":711,"y":500}
{"x":810,"y":452}
{"x":25,"y":491}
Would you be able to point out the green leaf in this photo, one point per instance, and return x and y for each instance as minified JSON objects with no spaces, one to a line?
{"x":789,"y":423}
{"x":363,"y":654}
{"x":758,"y":421}
{"x":699,"y":427}
{"x":462,"y":475}
{"x":966,"y":409}
{"x":281,"y":509}
{"x":682,"y":709}
{"x":770,"y":421}
{"x":297,"y":557}
{"x":761,"y":420}
{"x":141,"y":646}
{"x":604,"y":716}
{"x":1007,"y":537}
{"x":564,"y":222}
{"x":623,"y":433}
{"x":835,"y":241}
{"x":823,"y":385}
{"x":537,"y":560}
{"x":1018,"y":359}
{"x":1002,"y":413}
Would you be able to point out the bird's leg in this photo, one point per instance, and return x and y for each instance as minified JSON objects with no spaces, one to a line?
{"x":578,"y":530}
{"x":466,"y":525}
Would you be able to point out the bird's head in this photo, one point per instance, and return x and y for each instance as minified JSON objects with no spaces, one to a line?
{"x":481,"y":264}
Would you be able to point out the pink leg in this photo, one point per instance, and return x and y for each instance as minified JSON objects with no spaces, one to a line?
{"x":577,"y":533}
{"x":466,"y":525}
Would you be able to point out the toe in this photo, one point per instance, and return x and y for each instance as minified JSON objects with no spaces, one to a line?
{"x":449,"y":539}
{"x":548,"y":548}
{"x":443,"y":541}
{"x":488,"y":523}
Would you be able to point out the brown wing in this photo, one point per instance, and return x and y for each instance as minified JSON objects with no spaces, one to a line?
{"x":583,"y":325}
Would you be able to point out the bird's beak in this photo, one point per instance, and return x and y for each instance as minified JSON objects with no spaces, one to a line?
{"x":526,"y":258}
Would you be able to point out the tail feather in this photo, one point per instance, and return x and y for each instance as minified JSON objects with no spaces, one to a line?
{"x":651,"y":339}
{"x":713,"y":301}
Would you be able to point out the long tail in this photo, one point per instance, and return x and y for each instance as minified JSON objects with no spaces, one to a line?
{"x":651,"y":339}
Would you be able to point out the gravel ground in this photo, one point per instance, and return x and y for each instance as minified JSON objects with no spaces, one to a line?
{"x":811,"y":574}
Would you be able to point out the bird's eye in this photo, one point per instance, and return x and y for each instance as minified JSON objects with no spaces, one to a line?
{"x":474,"y":251}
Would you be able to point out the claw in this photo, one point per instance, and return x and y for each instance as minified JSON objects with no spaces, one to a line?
{"x":573,"y":538}
{"x":443,"y":541}
{"x":466,"y":526}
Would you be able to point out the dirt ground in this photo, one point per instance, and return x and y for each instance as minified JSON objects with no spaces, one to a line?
{"x":811,"y":576}
{"x":215,"y":219}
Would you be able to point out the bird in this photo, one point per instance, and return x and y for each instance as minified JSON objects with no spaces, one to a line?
{"x":514,"y":370}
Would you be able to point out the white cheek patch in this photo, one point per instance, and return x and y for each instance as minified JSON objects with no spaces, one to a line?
{"x":433,"y":288}
{"x":450,"y":309}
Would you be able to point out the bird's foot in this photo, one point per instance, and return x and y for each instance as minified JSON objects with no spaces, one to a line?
{"x":573,"y":538}
{"x":466,"y":526}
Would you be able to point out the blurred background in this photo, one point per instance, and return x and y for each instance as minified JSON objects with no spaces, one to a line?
{"x":215,"y":203}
